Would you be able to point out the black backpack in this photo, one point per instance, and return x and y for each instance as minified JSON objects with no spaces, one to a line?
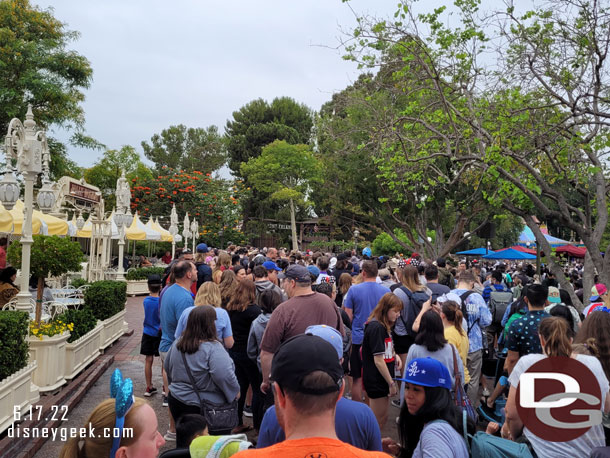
{"x":463,"y":298}
{"x":416,"y":302}
{"x":499,"y":301}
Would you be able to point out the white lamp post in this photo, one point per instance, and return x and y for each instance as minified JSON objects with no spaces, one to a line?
{"x":122,"y":219}
{"x":195,"y":232}
{"x":356,"y":235}
{"x":29,"y":147}
{"x":186,"y":233}
{"x":173,"y":228}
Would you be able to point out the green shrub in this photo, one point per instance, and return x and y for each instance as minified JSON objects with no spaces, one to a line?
{"x":106,"y":298}
{"x":83,"y":321}
{"x":142,"y":273}
{"x":78,"y":282}
{"x":14,"y":347}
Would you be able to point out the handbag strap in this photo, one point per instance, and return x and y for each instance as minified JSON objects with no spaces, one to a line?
{"x":190,"y":374}
{"x":456,"y":373}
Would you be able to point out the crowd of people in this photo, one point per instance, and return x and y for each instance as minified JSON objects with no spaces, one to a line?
{"x":318,"y":348}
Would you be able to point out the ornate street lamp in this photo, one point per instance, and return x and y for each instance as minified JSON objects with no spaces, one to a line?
{"x":356,"y":235}
{"x":186,"y":233}
{"x":29,"y":148}
{"x":195,"y":232}
{"x":173,"y":228}
{"x":80,"y":222}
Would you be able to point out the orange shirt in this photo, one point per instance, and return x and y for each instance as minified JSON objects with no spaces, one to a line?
{"x":311,"y":447}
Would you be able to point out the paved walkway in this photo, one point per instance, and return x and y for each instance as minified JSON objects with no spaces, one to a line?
{"x":131,"y":364}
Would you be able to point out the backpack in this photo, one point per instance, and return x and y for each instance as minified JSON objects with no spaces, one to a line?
{"x":515,"y":316}
{"x":499,"y":301}
{"x":483,"y":445}
{"x":463,"y":298}
{"x":416,"y":302}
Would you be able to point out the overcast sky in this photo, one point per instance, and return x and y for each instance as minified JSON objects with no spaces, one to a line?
{"x":159,"y":63}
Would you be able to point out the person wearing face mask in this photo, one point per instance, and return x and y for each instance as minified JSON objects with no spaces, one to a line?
{"x":430,"y":424}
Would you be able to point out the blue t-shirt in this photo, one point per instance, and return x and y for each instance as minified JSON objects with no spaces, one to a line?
{"x":522,"y":334}
{"x":223,"y":323}
{"x":175,"y":300}
{"x":363,"y":299}
{"x":152,"y":321}
{"x":355,"y":424}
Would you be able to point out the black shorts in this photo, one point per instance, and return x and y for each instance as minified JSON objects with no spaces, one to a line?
{"x":402,"y":343}
{"x":355,"y":362}
{"x":150,"y":345}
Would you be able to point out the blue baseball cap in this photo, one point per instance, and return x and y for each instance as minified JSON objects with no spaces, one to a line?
{"x":331,"y":335}
{"x":367,"y":252}
{"x":427,"y":372}
{"x":313,"y":270}
{"x":202,"y":248}
{"x":270,"y":265}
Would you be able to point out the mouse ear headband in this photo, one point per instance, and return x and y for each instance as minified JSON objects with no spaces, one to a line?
{"x":122,"y":391}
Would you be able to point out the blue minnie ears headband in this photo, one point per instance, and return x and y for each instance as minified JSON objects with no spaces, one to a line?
{"x":122,"y":391}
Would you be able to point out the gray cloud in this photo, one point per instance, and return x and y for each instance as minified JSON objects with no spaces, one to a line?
{"x":158,"y":63}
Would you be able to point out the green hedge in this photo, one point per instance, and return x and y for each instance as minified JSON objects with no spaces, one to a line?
{"x":142,"y":273}
{"x":14,"y":349}
{"x":83,"y":320}
{"x":106,"y":298}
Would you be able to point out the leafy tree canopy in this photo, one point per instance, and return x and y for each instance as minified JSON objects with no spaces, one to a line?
{"x":107,"y":170}
{"x":192,"y":148}
{"x":39,"y":68}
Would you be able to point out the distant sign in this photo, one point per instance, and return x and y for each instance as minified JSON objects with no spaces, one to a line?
{"x":78,"y":191}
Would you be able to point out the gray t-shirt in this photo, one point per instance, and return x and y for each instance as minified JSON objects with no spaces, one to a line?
{"x":438,"y":439}
{"x":582,"y":445}
{"x":444,"y":355}
{"x":212,"y":369}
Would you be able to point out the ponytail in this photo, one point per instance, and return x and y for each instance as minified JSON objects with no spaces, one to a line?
{"x":556,"y":331}
{"x":454,"y":315}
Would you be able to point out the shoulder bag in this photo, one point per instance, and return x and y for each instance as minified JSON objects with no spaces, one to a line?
{"x":217,"y":416}
{"x":460,"y":398}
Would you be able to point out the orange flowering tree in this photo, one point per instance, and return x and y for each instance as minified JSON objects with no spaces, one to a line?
{"x":213,"y":202}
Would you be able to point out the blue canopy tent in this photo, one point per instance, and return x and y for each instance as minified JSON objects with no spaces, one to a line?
{"x":528,"y":236}
{"x":509,"y":254}
{"x":475,"y":252}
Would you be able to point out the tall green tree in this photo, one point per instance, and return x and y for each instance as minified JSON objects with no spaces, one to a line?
{"x":287,"y":172}
{"x":255,"y":125}
{"x":107,"y":170}
{"x":535,"y":123}
{"x":37,"y":67}
{"x":187,"y":148}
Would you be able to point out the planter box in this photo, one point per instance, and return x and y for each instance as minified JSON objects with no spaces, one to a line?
{"x":82,"y":351}
{"x":50,"y":356}
{"x":17,"y":391}
{"x":113,"y":328}
{"x":136,"y":287}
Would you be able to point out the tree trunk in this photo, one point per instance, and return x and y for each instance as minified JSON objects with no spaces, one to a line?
{"x":39,"y":291}
{"x":293,"y":226}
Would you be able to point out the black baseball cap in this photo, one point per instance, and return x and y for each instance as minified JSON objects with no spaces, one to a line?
{"x":300,"y":356}
{"x":296,"y":272}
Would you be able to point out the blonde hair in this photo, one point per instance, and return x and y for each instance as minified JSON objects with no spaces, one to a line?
{"x":208,"y":294}
{"x":555,"y":331}
{"x":200,"y":257}
{"x":409,"y":277}
{"x":587,"y":348}
{"x":358,"y":279}
{"x":103,"y":416}
{"x":345,"y":283}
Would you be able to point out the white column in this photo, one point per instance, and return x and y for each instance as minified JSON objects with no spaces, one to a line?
{"x":121,"y":270}
{"x":24,"y":296}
